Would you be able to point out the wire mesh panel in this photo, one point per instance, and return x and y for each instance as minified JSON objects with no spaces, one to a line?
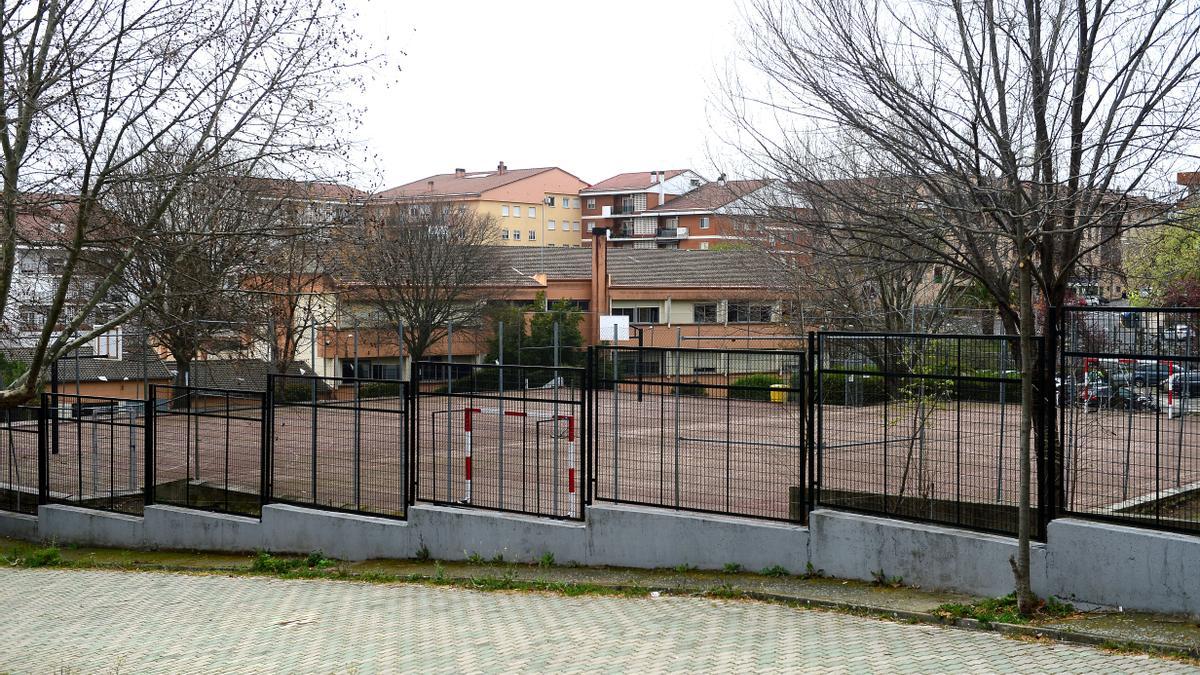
{"x":709,"y":430}
{"x":208,"y":448}
{"x":924,"y":427}
{"x":22,"y":429}
{"x":502,"y":437}
{"x":96,"y":452}
{"x":1129,"y":392}
{"x":340,"y":443}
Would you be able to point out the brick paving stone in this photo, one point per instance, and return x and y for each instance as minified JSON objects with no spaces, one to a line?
{"x":94,"y":621}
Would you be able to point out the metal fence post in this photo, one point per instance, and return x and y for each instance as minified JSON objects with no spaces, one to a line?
{"x":266,"y":443}
{"x":813,"y":395}
{"x":148,"y":451}
{"x":43,"y":450}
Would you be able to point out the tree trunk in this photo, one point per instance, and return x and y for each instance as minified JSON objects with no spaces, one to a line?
{"x":1026,"y":600}
{"x":183,"y":366}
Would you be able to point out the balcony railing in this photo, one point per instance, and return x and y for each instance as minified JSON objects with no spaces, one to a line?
{"x":618,"y":210}
{"x":673,"y":233}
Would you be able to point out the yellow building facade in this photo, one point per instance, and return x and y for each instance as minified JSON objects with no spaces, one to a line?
{"x":531,"y":207}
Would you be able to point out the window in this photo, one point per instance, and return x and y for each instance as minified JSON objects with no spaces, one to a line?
{"x":516,"y":212}
{"x":704,"y":222}
{"x":576,"y":225}
{"x":638,"y":314}
{"x":704,"y":246}
{"x":550,"y":201}
{"x":504,"y":210}
{"x":705,"y":313}
{"x":533,"y":235}
{"x":747,"y":312}
{"x":533,"y":212}
{"x":504,"y":234}
{"x":29,"y":264}
{"x":591,"y":203}
{"x":575,"y":203}
{"x":56,"y":265}
{"x":517,"y":235}
{"x":937,"y":275}
{"x":550,"y":225}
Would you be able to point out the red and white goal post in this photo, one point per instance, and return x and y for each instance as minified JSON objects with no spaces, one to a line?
{"x":468,"y":417}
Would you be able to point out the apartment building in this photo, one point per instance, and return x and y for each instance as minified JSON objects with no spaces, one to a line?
{"x":672,"y":297}
{"x":621,"y":205}
{"x":531,"y":207}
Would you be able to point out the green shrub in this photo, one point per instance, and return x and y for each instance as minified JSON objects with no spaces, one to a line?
{"x":755,"y":387}
{"x":297,"y":393}
{"x":378,"y":389}
{"x":692,"y":388}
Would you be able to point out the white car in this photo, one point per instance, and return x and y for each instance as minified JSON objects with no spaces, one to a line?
{"x":1180,"y":331}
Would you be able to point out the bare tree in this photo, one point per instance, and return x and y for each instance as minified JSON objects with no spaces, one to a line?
{"x":188,"y":280}
{"x":314,"y":223}
{"x":425,"y":266}
{"x":1007,"y":141}
{"x":91,"y":86}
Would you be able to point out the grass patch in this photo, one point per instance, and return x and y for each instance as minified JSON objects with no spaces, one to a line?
{"x":265,"y":563}
{"x":27,"y":556}
{"x":1004,"y":610}
{"x":775,"y":571}
{"x":881,"y":579}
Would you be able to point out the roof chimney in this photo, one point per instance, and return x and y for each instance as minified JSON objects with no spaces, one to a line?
{"x":721,"y":179}
{"x":500,"y":168}
{"x":662,"y":187}
{"x":460,"y":173}
{"x":430,"y":185}
{"x":600,"y":281}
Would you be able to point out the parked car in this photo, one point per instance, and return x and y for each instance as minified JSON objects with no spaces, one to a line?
{"x":1183,"y":385}
{"x":1144,"y":373}
{"x":1091,"y":300}
{"x":1180,"y":331}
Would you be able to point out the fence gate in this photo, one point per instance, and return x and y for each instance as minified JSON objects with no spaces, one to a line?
{"x":340,"y":444}
{"x":96,"y":451}
{"x":924,"y":427}
{"x":712,"y":430}
{"x":209,"y":448}
{"x":508,"y":438}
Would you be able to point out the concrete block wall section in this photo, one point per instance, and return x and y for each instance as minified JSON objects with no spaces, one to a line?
{"x":636,"y":536}
{"x":1124,"y":566}
{"x":1083,"y":561}
{"x":853,"y":546}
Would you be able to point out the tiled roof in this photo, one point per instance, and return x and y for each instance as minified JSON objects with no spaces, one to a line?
{"x":638,"y":180}
{"x":470,"y":183}
{"x":711,"y":196}
{"x":248,"y":374}
{"x":92,"y":369}
{"x":297,"y":189}
{"x":651,"y":268}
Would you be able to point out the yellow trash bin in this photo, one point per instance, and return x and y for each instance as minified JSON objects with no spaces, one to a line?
{"x":779,"y":393}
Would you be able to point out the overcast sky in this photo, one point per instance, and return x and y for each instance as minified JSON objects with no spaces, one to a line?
{"x":594,"y":88}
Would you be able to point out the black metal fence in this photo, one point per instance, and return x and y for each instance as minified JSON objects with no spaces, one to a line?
{"x":924,"y":427}
{"x":96,"y":452}
{"x":506,"y":437}
{"x":1129,"y":396}
{"x":24,"y":434}
{"x":340,"y":444}
{"x":919,"y":426}
{"x":208,"y":448}
{"x":711,"y":430}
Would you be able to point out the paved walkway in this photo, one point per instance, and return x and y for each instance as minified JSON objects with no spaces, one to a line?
{"x":109,"y":622}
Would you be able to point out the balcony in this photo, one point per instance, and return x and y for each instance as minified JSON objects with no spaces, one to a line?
{"x":618,"y":210}
{"x":673,"y":233}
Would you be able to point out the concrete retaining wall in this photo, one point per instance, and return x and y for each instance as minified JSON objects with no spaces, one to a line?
{"x":853,"y":546}
{"x":1123,"y":566}
{"x":1082,"y":561}
{"x":637,"y":536}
